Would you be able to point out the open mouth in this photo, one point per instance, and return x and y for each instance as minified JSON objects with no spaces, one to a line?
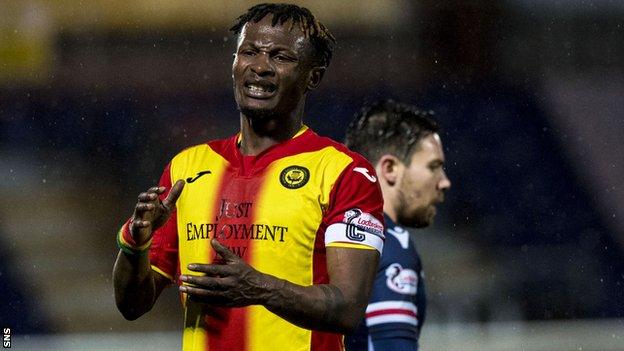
{"x":260,"y":90}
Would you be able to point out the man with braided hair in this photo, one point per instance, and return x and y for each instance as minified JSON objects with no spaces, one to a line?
{"x":403,"y":144}
{"x":272,"y":236}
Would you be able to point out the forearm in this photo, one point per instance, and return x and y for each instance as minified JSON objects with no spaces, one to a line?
{"x":134,"y":285}
{"x":336,"y":307}
{"x":319,"y":307}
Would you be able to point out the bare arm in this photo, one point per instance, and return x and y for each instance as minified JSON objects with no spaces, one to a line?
{"x":136,"y":285}
{"x":336,"y":307}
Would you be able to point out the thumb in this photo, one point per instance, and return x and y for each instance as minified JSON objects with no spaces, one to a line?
{"x":223,"y":251}
{"x":174,"y":194}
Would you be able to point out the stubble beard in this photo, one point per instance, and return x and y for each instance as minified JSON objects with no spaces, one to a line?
{"x":419,"y":217}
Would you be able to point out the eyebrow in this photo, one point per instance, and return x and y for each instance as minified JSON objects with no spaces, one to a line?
{"x":273,"y":47}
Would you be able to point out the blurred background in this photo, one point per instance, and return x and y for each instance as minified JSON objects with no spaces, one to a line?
{"x":527,"y":253}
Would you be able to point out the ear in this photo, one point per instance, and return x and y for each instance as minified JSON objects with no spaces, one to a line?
{"x":315,"y":76}
{"x":388,"y":168}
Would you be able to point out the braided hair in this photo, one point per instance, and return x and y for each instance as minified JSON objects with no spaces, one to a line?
{"x":319,"y":36}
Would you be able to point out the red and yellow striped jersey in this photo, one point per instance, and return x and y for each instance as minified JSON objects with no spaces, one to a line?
{"x":278,"y":210}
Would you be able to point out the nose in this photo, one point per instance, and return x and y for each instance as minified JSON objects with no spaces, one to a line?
{"x":444,"y":183}
{"x":262,"y":65}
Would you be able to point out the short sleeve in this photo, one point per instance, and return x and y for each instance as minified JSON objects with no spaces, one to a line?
{"x":163,"y":253}
{"x":354,"y":217}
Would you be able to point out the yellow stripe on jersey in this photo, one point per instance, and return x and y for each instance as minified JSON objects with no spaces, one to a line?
{"x":161,"y":272}
{"x":194,"y":336}
{"x":194,"y":205}
{"x":299,"y":208}
{"x":193,"y":209}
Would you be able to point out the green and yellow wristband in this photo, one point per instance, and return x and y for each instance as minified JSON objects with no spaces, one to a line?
{"x":127,"y":245}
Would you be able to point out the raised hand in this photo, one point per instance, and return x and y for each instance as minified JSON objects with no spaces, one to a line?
{"x":150,"y":213}
{"x":233,"y":283}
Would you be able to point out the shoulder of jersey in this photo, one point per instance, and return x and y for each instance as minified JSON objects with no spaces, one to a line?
{"x":217,"y":145}
{"x":313,"y":142}
{"x":357,"y":158}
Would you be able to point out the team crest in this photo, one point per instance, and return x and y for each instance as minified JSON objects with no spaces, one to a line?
{"x":401,"y":280}
{"x":294,"y":177}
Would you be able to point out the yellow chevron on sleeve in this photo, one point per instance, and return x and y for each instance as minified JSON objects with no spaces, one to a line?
{"x":351,"y":246}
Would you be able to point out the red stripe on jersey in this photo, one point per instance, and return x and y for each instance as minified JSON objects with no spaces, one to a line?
{"x":228,"y":332}
{"x":348,"y":194}
{"x":391,"y":311}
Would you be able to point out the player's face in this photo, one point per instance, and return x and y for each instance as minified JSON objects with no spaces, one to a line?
{"x":271,"y":68}
{"x":421,"y":185}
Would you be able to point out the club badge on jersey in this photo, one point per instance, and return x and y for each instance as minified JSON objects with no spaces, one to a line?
{"x":401,"y":280}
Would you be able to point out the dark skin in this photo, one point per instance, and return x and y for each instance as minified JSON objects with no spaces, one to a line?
{"x":277,"y":60}
{"x":137,"y":286}
{"x":272,"y":72}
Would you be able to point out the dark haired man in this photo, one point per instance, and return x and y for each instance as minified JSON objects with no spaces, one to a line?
{"x":274,"y":238}
{"x":403,"y":144}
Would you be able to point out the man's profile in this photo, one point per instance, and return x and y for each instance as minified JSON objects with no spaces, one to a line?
{"x":403,"y":144}
{"x":258,"y":240}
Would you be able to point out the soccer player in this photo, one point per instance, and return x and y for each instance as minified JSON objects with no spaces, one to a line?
{"x":403,"y":144}
{"x":272,"y":236}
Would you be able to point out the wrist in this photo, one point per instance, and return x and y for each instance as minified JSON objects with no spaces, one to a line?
{"x":130,"y":236}
{"x":127,"y":244}
{"x":273,"y":292}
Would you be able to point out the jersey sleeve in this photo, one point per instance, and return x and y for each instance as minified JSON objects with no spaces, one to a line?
{"x":354,"y":217}
{"x":163,"y":253}
{"x":394,"y":344}
{"x":391,"y":319}
{"x":397,"y":304}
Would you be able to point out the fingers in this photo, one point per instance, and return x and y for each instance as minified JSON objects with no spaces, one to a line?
{"x":205,"y":295}
{"x":141,"y":224}
{"x":143,"y":207}
{"x":211,"y":294}
{"x":144,"y":213}
{"x":151,"y":195}
{"x":147,"y":197}
{"x":205,"y":282}
{"x":211,"y":269}
{"x":174,"y":194}
{"x":153,"y":190}
{"x":147,"y":202}
{"x":223,"y":251}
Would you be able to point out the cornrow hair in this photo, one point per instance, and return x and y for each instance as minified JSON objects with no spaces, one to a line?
{"x":320,"y":37}
{"x":388,"y":126}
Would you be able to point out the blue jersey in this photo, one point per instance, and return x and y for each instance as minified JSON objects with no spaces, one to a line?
{"x":396,"y":310}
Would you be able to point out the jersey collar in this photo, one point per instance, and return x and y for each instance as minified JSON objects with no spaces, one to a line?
{"x":239,"y":136}
{"x":400,"y":233}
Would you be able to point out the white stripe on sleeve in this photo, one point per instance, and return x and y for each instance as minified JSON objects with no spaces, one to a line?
{"x":339,"y":232}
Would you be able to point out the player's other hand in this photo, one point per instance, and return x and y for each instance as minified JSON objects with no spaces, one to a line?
{"x":150,"y":213}
{"x":230,"y":283}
